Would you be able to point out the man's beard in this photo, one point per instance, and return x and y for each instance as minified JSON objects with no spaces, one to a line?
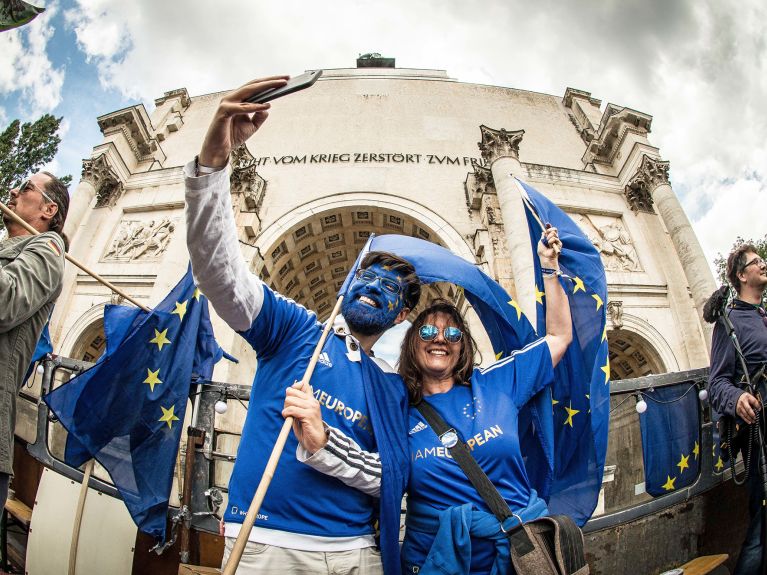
{"x":366,"y":320}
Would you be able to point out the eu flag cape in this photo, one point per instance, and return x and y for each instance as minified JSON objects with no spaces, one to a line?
{"x":127,"y":411}
{"x":670,"y":438}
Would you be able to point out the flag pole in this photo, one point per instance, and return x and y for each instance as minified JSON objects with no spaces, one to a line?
{"x":271,"y":464}
{"x":526,"y":201}
{"x":7,"y":212}
{"x":79,"y":517}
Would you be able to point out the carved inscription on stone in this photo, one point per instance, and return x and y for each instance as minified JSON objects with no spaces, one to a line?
{"x":140,"y":240}
{"x":610,"y":236}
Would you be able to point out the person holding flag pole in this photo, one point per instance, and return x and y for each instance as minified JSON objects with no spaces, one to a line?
{"x":326,"y":526}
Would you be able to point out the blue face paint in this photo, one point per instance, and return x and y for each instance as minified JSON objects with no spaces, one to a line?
{"x":378,"y":314}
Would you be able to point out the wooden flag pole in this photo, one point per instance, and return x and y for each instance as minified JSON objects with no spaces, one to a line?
{"x":79,"y":517}
{"x":271,"y":465}
{"x":6,"y":211}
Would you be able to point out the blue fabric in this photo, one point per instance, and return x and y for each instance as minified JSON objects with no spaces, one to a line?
{"x":43,"y":348}
{"x":670,"y":438}
{"x":127,"y":411}
{"x":453,"y":529}
{"x":581,"y":391}
{"x":387,"y":406}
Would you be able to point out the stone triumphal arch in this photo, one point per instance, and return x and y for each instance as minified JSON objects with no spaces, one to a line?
{"x":388,"y":150}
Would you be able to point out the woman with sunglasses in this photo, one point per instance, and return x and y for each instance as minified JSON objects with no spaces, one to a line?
{"x":449,"y":527}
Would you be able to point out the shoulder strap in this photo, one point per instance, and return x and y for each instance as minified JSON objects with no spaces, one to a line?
{"x":462,"y":455}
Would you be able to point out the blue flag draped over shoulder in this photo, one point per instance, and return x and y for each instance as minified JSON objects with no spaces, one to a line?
{"x":581,"y":391}
{"x":670,"y":438}
{"x":127,"y":411}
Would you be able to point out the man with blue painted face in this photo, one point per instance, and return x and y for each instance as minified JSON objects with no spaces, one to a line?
{"x":309,"y":522}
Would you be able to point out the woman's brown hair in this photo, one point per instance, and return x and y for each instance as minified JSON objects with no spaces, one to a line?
{"x":408,"y":367}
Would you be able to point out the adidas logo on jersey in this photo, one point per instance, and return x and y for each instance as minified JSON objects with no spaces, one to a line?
{"x":419,"y":427}
{"x":324,"y":359}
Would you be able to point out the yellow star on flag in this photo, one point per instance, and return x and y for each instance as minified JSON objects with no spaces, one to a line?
{"x":515,"y":305}
{"x":682,"y":465}
{"x":539,"y":295}
{"x":719,"y":463}
{"x":570,"y":412}
{"x":606,"y":369}
{"x":498,"y":355}
{"x":604,"y":334}
{"x":168,"y":416}
{"x":387,"y":268}
{"x":669,"y":485}
{"x":599,"y":300}
{"x":696,"y":450}
{"x":554,"y":401}
{"x":197,"y":293}
{"x":588,"y":398}
{"x":152,"y":378}
{"x":160,"y":339}
{"x":578,"y":285}
{"x":180,"y":310}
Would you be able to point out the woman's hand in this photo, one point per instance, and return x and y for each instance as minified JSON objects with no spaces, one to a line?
{"x":548,"y":252}
{"x":301,"y":405}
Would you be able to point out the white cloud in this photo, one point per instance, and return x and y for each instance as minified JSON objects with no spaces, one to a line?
{"x":25,"y":66}
{"x":699,"y":68}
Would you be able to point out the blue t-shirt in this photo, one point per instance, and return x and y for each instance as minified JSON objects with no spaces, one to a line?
{"x":300,"y":499}
{"x":485,"y":416}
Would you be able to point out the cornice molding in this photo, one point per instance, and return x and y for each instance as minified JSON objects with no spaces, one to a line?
{"x":615,"y":125}
{"x":134,"y":125}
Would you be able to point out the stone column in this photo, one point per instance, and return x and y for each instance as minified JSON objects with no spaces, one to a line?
{"x":500,"y":149}
{"x":654,"y":174}
{"x":97,"y":177}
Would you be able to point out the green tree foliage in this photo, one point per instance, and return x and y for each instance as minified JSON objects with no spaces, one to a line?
{"x":25,"y":148}
{"x":721,"y":260}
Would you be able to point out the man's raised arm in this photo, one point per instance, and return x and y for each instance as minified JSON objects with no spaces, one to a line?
{"x":211,"y":232}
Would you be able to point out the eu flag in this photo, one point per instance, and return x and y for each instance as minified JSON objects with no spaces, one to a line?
{"x":579,"y":400}
{"x":127,"y":411}
{"x":670,"y":438}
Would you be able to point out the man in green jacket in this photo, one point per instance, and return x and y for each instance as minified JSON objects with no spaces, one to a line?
{"x":31,"y":269}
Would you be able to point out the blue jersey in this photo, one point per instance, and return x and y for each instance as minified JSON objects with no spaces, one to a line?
{"x":300,"y":499}
{"x":485,"y":416}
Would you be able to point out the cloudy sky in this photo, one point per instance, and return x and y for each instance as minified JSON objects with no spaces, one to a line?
{"x":699,"y":68}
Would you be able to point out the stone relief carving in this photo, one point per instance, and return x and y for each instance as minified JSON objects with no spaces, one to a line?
{"x":615,"y":312}
{"x":136,"y":240}
{"x":613,"y":241}
{"x":100,"y":175}
{"x":246,"y":182}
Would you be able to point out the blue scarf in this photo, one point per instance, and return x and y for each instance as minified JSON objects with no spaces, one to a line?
{"x":387,"y":408}
{"x":450,"y":553}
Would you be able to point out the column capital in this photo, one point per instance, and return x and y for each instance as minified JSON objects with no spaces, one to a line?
{"x":499,"y":143}
{"x":98,"y":173}
{"x":651,"y":173}
{"x":478,"y":182}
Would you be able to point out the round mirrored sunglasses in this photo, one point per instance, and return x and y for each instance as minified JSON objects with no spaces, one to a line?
{"x":429,"y":332}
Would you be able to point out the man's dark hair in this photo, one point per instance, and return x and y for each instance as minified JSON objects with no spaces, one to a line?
{"x":736,"y":263}
{"x":59,"y":193}
{"x":412,"y":291}
{"x":408,"y":367}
